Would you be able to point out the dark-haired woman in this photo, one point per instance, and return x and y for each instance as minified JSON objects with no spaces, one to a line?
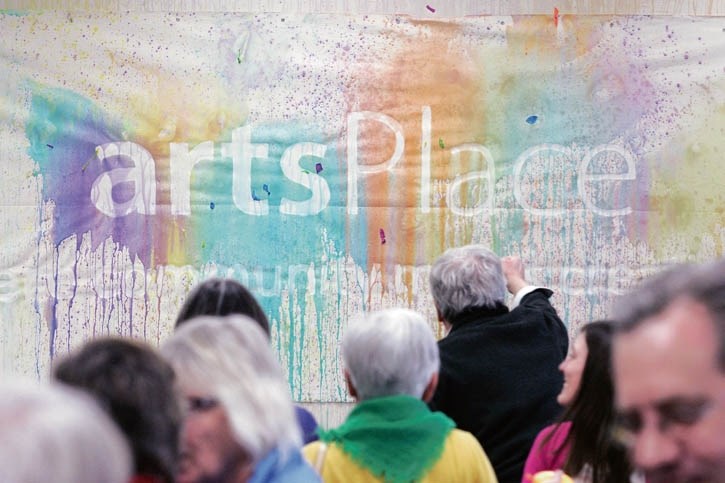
{"x":226,"y":296}
{"x":581,"y":443}
{"x":222,"y":296}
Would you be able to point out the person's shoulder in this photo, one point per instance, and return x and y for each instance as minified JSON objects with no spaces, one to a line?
{"x":310,"y":450}
{"x":459,"y":435}
{"x":535,"y":295}
{"x":303,"y":414}
{"x":307,"y":424}
{"x":536,"y":306}
{"x":293,"y":467}
{"x":467,"y":459}
{"x":558,"y":430}
{"x":298,"y":470}
{"x":552,"y":437}
{"x":460,"y":441}
{"x":547,"y":451}
{"x":457,"y":342}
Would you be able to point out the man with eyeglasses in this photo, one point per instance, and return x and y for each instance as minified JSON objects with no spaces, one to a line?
{"x":669,"y":373}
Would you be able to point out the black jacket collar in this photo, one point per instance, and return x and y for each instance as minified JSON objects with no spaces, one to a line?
{"x":477,"y":313}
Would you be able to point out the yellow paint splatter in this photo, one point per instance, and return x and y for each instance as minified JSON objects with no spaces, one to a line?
{"x":686,"y":197}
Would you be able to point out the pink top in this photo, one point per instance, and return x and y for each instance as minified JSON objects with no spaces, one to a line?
{"x":545,"y":455}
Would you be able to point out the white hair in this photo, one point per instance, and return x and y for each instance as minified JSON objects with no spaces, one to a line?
{"x":58,"y":434}
{"x":467,"y":277}
{"x":229,"y":358}
{"x":390,"y":352}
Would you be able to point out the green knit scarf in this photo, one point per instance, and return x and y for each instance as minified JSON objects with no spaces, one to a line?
{"x":396,"y":438}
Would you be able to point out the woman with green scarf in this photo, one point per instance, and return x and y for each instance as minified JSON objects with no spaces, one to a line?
{"x":391,"y":369}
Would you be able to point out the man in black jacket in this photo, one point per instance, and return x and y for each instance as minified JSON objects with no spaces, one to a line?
{"x":499,"y":373}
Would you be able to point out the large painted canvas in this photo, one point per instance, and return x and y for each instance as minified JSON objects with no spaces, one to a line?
{"x":326,"y":160}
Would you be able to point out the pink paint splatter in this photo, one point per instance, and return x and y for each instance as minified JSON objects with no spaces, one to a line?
{"x":556,"y":17}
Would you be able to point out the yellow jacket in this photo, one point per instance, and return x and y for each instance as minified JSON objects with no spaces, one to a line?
{"x":462,"y":461}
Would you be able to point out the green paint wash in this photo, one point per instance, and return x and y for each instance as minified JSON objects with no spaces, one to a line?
{"x":14,"y":13}
{"x":686,"y":199}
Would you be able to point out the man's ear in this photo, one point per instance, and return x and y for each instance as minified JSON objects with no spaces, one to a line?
{"x":350,"y":388}
{"x":441,"y":319}
{"x":443,"y":322}
{"x":430,"y":389}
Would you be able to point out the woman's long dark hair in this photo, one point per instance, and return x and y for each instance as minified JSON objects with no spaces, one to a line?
{"x":592,"y":414}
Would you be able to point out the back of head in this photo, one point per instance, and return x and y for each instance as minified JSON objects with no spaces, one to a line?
{"x":467,"y":277}
{"x":222,"y":296}
{"x":136,"y":387}
{"x":229,"y":358}
{"x":390,"y":352}
{"x":53,"y":433}
{"x":704,"y":283}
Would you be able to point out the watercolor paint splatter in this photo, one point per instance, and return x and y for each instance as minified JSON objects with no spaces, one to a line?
{"x":325,"y":161}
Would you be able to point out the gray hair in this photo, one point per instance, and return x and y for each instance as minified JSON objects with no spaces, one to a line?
{"x":466,"y":277}
{"x":704,"y":283}
{"x":55,"y":433}
{"x":390,"y":352}
{"x":230,"y":359}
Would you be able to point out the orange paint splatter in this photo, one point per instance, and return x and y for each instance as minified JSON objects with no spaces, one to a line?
{"x":450,"y":87}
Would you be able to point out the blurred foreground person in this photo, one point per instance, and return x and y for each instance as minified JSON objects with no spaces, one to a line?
{"x":669,"y":368}
{"x":135,"y":386}
{"x":56,"y":434}
{"x":226,"y":296}
{"x":240,"y":424}
{"x":391,"y":369}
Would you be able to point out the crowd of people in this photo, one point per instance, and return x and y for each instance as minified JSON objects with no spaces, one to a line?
{"x":503,"y":396}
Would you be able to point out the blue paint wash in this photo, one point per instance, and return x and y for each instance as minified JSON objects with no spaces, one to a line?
{"x":574,"y":115}
{"x":274,"y":240}
{"x":74,"y":126}
{"x":238,"y":238}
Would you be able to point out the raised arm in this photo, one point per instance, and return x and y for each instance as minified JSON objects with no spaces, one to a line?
{"x":513,"y":270}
